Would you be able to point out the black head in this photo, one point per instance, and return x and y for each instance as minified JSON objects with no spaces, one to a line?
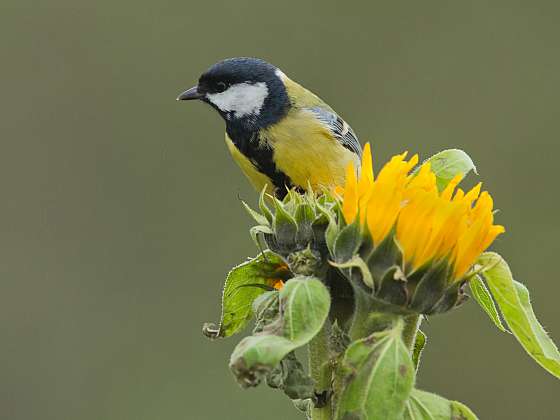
{"x":246,"y":91}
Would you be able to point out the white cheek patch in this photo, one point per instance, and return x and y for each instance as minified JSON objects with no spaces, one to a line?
{"x":242,"y":99}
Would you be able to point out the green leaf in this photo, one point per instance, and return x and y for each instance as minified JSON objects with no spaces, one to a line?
{"x":419,"y":344}
{"x":385,"y":255}
{"x":293,"y":196}
{"x":265,"y":309}
{"x":460,"y":411}
{"x":304,"y":216}
{"x":255,"y":231}
{"x":357,"y":262}
{"x":393,"y":288}
{"x":448,"y":163}
{"x":284,"y":225}
{"x":348,"y":242}
{"x":431,"y":287}
{"x":332,"y":229}
{"x":265,"y":211}
{"x":515,"y":305}
{"x":291,"y":201}
{"x":453,"y":297}
{"x":304,"y":406}
{"x":319,"y":229}
{"x":481,"y":294}
{"x":427,"y":406}
{"x":259,"y":218}
{"x":290,"y":376}
{"x":242,"y":287}
{"x":304,"y":303}
{"x":378,"y":377}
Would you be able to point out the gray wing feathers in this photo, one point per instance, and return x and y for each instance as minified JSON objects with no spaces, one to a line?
{"x":340,"y":129}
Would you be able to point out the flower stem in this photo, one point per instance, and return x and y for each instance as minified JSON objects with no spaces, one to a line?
{"x":360,"y":327}
{"x":321,"y":371}
{"x":368,"y":318}
{"x":412,"y":323}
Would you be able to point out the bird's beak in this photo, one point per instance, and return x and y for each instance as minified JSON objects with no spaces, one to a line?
{"x":189,"y":95}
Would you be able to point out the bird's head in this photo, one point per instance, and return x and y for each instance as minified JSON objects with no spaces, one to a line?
{"x":246,"y":91}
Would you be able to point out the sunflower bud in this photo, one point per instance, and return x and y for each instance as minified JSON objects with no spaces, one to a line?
{"x":295,"y":228}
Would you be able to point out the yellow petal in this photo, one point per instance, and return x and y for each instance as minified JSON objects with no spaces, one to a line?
{"x":430,"y":225}
{"x":350,"y":203}
{"x":448,"y":191}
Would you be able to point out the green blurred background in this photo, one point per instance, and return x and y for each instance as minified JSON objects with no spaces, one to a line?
{"x":120,"y":213}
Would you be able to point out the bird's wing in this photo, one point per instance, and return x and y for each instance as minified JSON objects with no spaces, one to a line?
{"x":339,"y":128}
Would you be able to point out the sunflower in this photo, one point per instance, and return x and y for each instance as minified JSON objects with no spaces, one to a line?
{"x":428,"y":225}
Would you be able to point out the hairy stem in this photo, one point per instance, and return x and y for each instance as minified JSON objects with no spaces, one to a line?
{"x":362,"y":311}
{"x":321,"y":371}
{"x":368,"y":318}
{"x":412,"y":323}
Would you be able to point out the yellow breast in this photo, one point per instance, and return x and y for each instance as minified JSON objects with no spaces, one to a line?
{"x":305,"y":151}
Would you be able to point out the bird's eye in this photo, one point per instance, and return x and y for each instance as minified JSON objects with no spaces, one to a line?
{"x":221,"y":87}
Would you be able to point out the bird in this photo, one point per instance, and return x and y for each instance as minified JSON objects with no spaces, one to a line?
{"x":281,"y":135}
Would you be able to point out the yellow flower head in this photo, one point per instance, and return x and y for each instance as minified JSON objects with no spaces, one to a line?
{"x":429,"y":225}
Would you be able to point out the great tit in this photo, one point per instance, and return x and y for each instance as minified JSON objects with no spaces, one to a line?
{"x":278,"y":132}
